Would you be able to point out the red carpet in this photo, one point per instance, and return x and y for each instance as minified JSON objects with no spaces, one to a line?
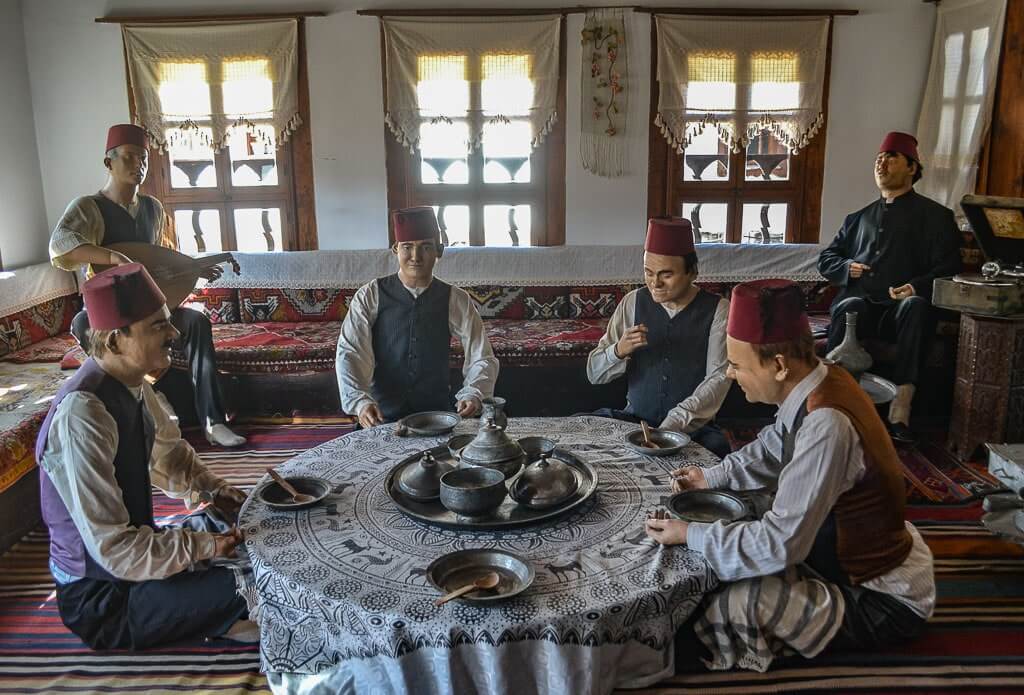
{"x":974,"y":644}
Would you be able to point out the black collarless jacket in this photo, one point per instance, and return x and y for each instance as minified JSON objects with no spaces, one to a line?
{"x":911,"y":240}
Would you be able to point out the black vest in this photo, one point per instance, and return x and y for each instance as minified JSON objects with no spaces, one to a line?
{"x":119,"y":226}
{"x":675,"y":360}
{"x":411,"y":342}
{"x":135,"y":435}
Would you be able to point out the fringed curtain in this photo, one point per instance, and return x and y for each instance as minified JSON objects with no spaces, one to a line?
{"x":957,"y":106}
{"x":741,"y":76}
{"x":199,"y":82}
{"x":476,"y":71}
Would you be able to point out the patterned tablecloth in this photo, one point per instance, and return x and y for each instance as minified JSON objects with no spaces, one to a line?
{"x":343,"y":592}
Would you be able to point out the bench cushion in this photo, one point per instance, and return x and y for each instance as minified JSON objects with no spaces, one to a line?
{"x":287,"y":305}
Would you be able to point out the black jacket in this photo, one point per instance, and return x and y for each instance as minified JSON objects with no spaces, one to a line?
{"x":912,"y":240}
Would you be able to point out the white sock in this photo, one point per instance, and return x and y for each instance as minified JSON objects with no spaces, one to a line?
{"x":899,"y":409}
{"x":220,"y":435}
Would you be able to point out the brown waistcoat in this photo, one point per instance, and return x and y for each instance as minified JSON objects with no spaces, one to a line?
{"x":870,"y":536}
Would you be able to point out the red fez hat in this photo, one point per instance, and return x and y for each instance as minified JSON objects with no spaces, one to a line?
{"x":904,"y":143}
{"x":120,"y":296}
{"x":767,"y":311}
{"x":669,"y":236}
{"x":415,"y":224}
{"x":125,"y":134}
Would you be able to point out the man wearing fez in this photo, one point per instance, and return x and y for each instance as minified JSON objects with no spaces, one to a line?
{"x":123,"y":583}
{"x":884,"y":259}
{"x":119,"y":213}
{"x":393,"y":349}
{"x":668,"y":338}
{"x":832,"y":563}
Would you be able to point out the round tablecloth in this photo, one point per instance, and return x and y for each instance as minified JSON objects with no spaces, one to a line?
{"x":343,"y":592}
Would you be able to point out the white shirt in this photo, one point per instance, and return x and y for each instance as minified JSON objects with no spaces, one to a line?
{"x":828,"y":460}
{"x":82,"y":223}
{"x":700,"y":407}
{"x":355,"y":361}
{"x":79,"y":460}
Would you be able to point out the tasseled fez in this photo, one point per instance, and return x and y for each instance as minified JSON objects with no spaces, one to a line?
{"x":767,"y":311}
{"x":126,"y":134}
{"x":415,"y":224}
{"x":904,"y":143}
{"x":120,"y":296}
{"x":669,"y":236}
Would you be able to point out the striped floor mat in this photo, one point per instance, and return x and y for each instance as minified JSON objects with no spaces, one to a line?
{"x":974,"y":644}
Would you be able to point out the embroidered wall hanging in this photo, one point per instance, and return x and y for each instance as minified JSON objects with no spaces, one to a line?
{"x":603,"y":148}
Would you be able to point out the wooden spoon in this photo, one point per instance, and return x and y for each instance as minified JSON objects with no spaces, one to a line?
{"x":647,"y":436}
{"x":487,"y":581}
{"x":297,"y":497}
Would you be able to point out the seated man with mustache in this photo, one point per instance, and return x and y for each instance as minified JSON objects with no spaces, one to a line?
{"x":123,"y":583}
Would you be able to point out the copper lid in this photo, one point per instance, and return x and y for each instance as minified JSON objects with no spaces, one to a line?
{"x":422,"y":480}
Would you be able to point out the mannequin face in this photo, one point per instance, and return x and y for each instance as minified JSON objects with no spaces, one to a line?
{"x":416,"y":260}
{"x":762,"y":382}
{"x":129,"y":166}
{"x":146,"y":346}
{"x":666,"y":277}
{"x":893,"y":171}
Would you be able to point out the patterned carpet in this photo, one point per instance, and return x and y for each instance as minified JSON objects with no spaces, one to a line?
{"x":975,"y":642}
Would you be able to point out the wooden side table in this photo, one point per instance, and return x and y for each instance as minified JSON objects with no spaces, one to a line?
{"x":988,"y":397}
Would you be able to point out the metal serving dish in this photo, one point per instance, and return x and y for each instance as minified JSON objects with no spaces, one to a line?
{"x":508,"y":514}
{"x":533,"y":447}
{"x":458,"y":443}
{"x":669,"y":442}
{"x":275,"y":496}
{"x":544,"y":483}
{"x":449,"y":572}
{"x":429,"y":424}
{"x":492,"y":448}
{"x":422,"y":480}
{"x":473,"y":491}
{"x":879,"y":390}
{"x":708,"y":506}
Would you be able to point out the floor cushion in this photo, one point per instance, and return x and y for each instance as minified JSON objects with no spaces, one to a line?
{"x":48,"y":350}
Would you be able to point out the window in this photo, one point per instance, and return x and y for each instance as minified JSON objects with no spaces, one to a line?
{"x":477,"y":162}
{"x":250,"y":195}
{"x":760,"y":193}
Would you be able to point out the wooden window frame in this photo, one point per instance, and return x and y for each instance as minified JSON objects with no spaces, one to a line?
{"x":667,"y":191}
{"x":546,"y":196}
{"x":294,"y":195}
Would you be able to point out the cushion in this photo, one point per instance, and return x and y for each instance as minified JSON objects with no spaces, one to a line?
{"x":596,"y":302}
{"x":220,"y":304}
{"x":25,"y":394}
{"x":498,"y":302}
{"x":276,"y":347}
{"x":290,"y":306}
{"x":531,"y":341}
{"x":44,"y":320}
{"x":48,"y":350}
{"x":18,"y":448}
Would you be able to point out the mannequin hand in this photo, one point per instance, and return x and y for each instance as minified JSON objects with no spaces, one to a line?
{"x":469,"y":407}
{"x":228,"y":541}
{"x":370,"y":416}
{"x":632,"y":340}
{"x":667,"y":531}
{"x":688,"y":478}
{"x":902,"y":292}
{"x":858,"y":269}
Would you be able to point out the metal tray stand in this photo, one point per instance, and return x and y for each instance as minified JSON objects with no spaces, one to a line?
{"x":509,"y":514}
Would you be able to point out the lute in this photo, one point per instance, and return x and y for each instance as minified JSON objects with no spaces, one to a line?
{"x":174,"y":273}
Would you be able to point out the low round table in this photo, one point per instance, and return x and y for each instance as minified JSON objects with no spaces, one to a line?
{"x":343,"y":592}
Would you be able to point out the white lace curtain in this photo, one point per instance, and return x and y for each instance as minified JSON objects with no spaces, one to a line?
{"x":202,"y":81}
{"x":741,"y":76}
{"x":958,"y":98}
{"x":471,"y":70}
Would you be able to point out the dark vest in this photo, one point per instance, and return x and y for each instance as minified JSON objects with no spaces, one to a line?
{"x":135,"y":433}
{"x":410,"y":345}
{"x":119,"y":226}
{"x":863,"y":536}
{"x":674,"y":363}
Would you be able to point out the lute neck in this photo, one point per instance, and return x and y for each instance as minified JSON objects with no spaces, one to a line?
{"x":208,"y":261}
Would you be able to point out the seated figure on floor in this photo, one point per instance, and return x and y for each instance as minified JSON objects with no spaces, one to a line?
{"x":120,"y":213}
{"x":833,"y":563}
{"x":668,"y":339}
{"x":393,"y":350}
{"x":123,"y":583}
{"x":884,"y":258}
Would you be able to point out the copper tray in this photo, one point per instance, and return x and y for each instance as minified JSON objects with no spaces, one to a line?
{"x":509,"y":514}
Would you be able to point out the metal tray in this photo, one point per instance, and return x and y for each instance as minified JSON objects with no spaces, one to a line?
{"x":451,"y":571}
{"x":509,"y":514}
{"x":429,"y":423}
{"x":708,"y":506}
{"x":879,"y":390}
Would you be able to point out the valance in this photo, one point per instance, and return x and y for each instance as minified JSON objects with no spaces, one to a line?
{"x":741,"y":75}
{"x":474,"y":71}
{"x":200,"y":81}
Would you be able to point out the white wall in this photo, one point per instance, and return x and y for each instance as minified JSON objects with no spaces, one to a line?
{"x":23,"y":232}
{"x":879,"y":67}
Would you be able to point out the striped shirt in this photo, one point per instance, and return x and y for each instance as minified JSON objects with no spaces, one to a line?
{"x":827,"y":461}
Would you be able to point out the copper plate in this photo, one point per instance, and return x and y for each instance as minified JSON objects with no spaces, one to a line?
{"x":454,"y":570}
{"x":708,"y":506}
{"x":275,"y":497}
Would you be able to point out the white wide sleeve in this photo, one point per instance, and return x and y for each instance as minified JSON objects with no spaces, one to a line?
{"x":480,"y":367}
{"x":603,"y":365}
{"x":354,"y":361}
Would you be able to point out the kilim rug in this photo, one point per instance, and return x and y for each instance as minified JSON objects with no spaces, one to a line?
{"x":974,"y":644}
